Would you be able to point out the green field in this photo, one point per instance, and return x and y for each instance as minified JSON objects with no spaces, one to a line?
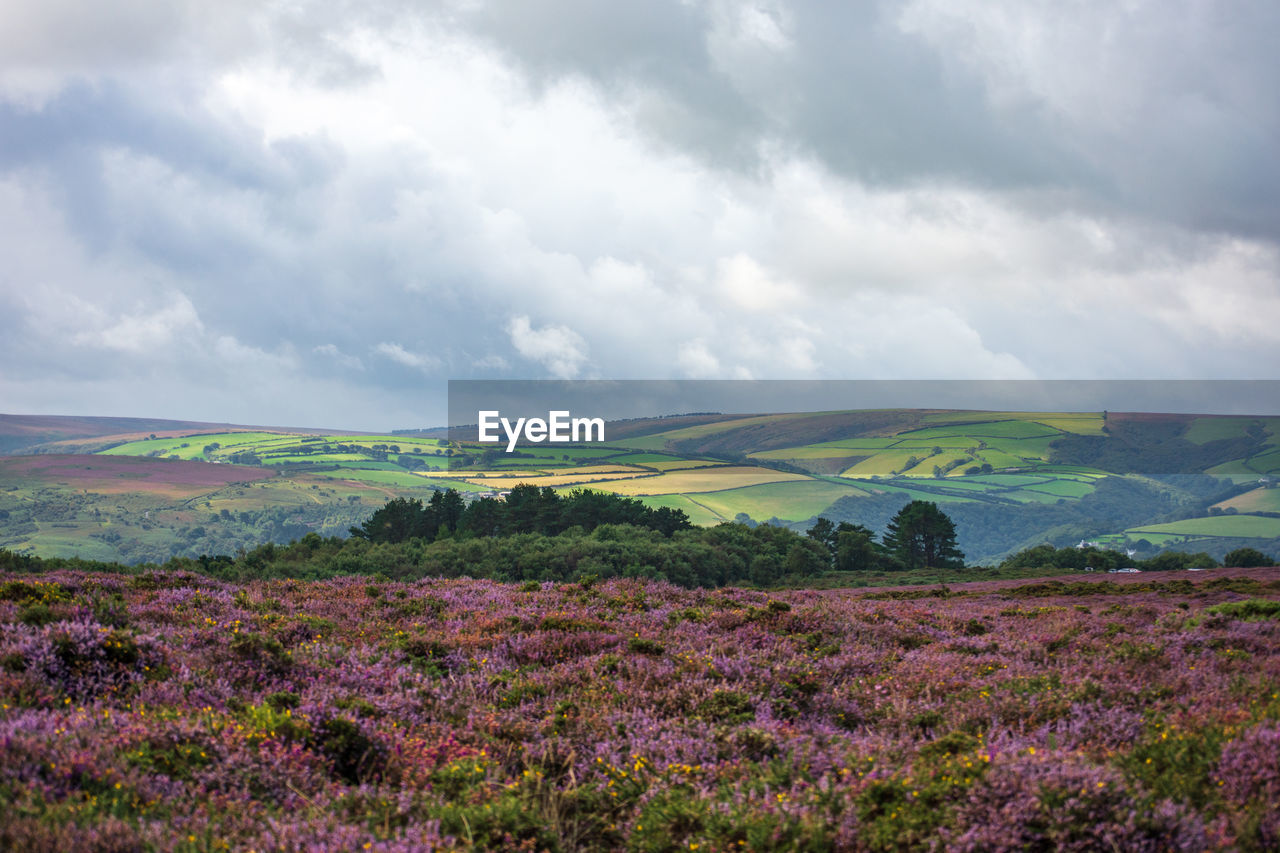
{"x":1203,"y":430}
{"x":698,"y":513}
{"x":1064,"y":488}
{"x":812,"y":452}
{"x":192,"y":447}
{"x":857,"y":444}
{"x":739,"y":464}
{"x":988,"y":429}
{"x":1258,"y":500}
{"x":1267,"y":463}
{"x":167,"y":507}
{"x":1231,"y":526}
{"x":794,"y":501}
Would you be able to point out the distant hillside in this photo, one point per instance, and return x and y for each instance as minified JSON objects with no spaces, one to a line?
{"x":29,"y":433}
{"x":1009,"y":480}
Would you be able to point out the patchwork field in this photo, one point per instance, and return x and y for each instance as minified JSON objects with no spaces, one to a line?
{"x":108,"y":475}
{"x":1258,"y":500}
{"x":720,"y":468}
{"x":800,"y":496}
{"x":696,"y":480}
{"x":1232,"y":526}
{"x":106,"y":507}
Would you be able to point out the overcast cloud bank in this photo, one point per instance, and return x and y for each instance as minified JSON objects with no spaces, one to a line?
{"x":315,"y":213}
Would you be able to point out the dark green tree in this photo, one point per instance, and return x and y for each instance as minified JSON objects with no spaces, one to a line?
{"x":398,"y":520}
{"x":856,"y":549}
{"x":922,"y":535}
{"x":1247,"y":558}
{"x":806,"y":557}
{"x":824,"y":532}
{"x":483,"y":518}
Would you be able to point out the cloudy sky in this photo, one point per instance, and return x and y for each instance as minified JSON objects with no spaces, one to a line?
{"x":315,"y":213}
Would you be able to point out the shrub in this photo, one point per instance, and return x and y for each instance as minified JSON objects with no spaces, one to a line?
{"x":1050,"y":804}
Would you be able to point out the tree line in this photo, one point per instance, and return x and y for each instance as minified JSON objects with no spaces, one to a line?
{"x":543,"y":536}
{"x":526,"y":509}
{"x":920,"y":535}
{"x":1105,"y":559}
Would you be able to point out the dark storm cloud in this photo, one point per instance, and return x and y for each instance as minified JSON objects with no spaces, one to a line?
{"x":316,"y":212}
{"x":890,"y":104}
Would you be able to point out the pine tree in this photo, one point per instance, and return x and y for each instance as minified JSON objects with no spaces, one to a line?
{"x":922,"y":535}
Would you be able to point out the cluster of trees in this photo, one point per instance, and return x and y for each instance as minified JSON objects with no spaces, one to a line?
{"x":527,"y":509}
{"x":728,"y":554}
{"x":1103,"y":559}
{"x":537,"y":534}
{"x":920,"y":535}
{"x":990,"y":528}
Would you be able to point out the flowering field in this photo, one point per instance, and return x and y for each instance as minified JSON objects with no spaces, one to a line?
{"x":169,"y":711}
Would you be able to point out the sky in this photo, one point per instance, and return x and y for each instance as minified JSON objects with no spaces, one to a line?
{"x":317,"y":213}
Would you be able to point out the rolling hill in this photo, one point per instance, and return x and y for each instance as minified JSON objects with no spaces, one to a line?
{"x":1008,"y":479}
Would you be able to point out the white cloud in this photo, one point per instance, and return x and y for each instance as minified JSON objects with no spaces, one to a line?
{"x":261,"y":364}
{"x":145,"y":332}
{"x":558,"y":348}
{"x":746,"y":284}
{"x":331,"y":351}
{"x":492,"y":362}
{"x":696,"y":361}
{"x":400,"y":355}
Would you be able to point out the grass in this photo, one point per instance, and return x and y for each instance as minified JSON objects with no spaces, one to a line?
{"x":1267,"y":463}
{"x":693,"y":480}
{"x":1204,"y":430}
{"x":1259,"y":500}
{"x":911,"y":441}
{"x":923,"y":494}
{"x":1084,"y":425}
{"x":396,"y":477}
{"x":601,"y":479}
{"x":998,"y":459}
{"x":647,"y":459}
{"x":558,"y":452}
{"x":1034,"y":447}
{"x":962,"y":484}
{"x":812,"y":452}
{"x":708,"y":490}
{"x":1063,"y":488}
{"x":196,"y":443}
{"x":1231,"y":526}
{"x":960,"y":461}
{"x":886,"y":464}
{"x":794,"y":501}
{"x":1006,"y":481}
{"x":988,"y":429}
{"x":863,"y":443}
{"x":692,"y":506}
{"x":1237,"y":470}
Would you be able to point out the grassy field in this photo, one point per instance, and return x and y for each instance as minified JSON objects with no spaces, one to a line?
{"x":799,"y":499}
{"x":140,"y":508}
{"x":740,"y":464}
{"x":1203,"y":430}
{"x":692,"y":480}
{"x":560,"y":480}
{"x":1258,"y":500}
{"x":1232,"y":526}
{"x":691,"y":505}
